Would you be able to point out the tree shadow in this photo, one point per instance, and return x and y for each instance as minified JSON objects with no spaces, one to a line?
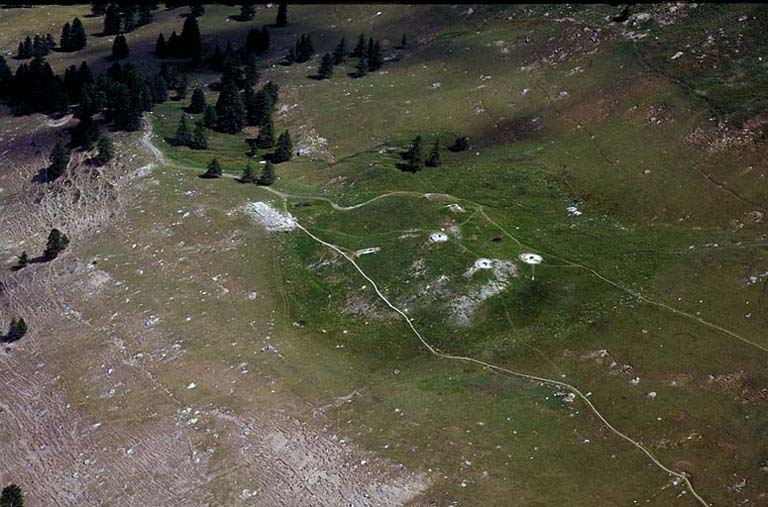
{"x":41,"y":176}
{"x":239,"y":18}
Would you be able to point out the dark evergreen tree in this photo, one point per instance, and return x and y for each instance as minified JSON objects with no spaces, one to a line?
{"x":230,"y":110}
{"x":257,"y":41}
{"x":129,"y":12}
{"x":266,"y":137}
{"x":16,"y":331}
{"x":197,"y":103}
{"x":273,"y":90}
{"x":77,"y":37}
{"x":213,"y":170}
{"x":290,"y":57}
{"x":182,"y":85}
{"x":198,"y":141}
{"x":249,"y":175}
{"x":375,"y":57}
{"x":189,"y":40}
{"x":247,"y":11}
{"x":196,"y":10}
{"x":413,"y":157}
{"x":84,"y":74}
{"x":267,"y":176}
{"x":59,"y":161}
{"x":119,"y":48}
{"x":160,"y":47}
{"x":434,"y":156}
{"x":57,"y":243}
{"x":65,"y":41}
{"x":23,"y":260}
{"x":183,"y":135}
{"x":304,"y":48}
{"x":39,"y":47}
{"x":361,"y":69}
{"x":360,"y":47}
{"x":173,"y":45}
{"x":340,"y":52}
{"x":403,"y":43}
{"x":25,"y":50}
{"x":112,"y":20}
{"x":85,"y":133}
{"x":284,"y":151}
{"x":210,"y":118}
{"x":326,"y":67}
{"x":106,"y":151}
{"x":251,"y":70}
{"x":98,"y":8}
{"x":259,"y":107}
{"x":461,"y":144}
{"x":145,"y":15}
{"x":6,"y":77}
{"x":282,"y":14}
{"x":159,"y":90}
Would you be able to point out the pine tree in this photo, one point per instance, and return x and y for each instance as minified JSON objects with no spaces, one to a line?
{"x":461,"y":144}
{"x":213,"y":170}
{"x":272,"y":90}
{"x":57,"y":243}
{"x":247,"y":11}
{"x":340,"y":52}
{"x":85,"y":133}
{"x":196,"y":10}
{"x":160,"y":47}
{"x":326,"y":67}
{"x":59,"y":161}
{"x":284,"y":151}
{"x":49,"y":41}
{"x":172,"y":45}
{"x":413,"y":156}
{"x":434,"y":155}
{"x":78,"y":38}
{"x":129,"y":17}
{"x":209,"y":117}
{"x":375,"y":57}
{"x":267,"y":177}
{"x":84,"y":74}
{"x":39,"y":48}
{"x":16,"y":331}
{"x":266,"y":137}
{"x":183,"y":135}
{"x":258,"y":107}
{"x":198,"y":141}
{"x":159,"y":90}
{"x":230,"y":110}
{"x":189,"y":40}
{"x":249,"y":175}
{"x":403,"y":42}
{"x":282,"y":14}
{"x":181,"y":87}
{"x":98,"y":8}
{"x":360,"y":47}
{"x":6,"y":77}
{"x":106,"y":151}
{"x":304,"y":48}
{"x":361,"y":69}
{"x":119,"y":48}
{"x":251,"y":70}
{"x":65,"y":41}
{"x":112,"y":20}
{"x":197,"y":103}
{"x":23,"y":260}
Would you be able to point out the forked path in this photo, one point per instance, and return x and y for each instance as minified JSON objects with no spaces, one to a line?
{"x":147,"y":140}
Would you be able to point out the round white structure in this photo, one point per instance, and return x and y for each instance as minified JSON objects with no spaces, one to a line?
{"x":483,"y":264}
{"x":438,"y":237}
{"x":531,"y":258}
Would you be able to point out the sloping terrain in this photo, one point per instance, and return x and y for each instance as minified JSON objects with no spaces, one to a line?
{"x":570,"y":312}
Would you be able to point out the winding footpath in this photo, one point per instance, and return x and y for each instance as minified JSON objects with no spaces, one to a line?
{"x":147,"y":141}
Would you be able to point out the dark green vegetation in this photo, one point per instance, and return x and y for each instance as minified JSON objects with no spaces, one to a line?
{"x":12,"y":496}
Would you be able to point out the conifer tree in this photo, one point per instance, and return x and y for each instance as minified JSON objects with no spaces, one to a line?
{"x":160,"y":46}
{"x":361,"y":69}
{"x":129,"y":17}
{"x":247,"y":11}
{"x":209,"y":117}
{"x":267,"y":176}
{"x":340,"y":52}
{"x":65,"y":41}
{"x":272,"y":90}
{"x":39,"y":48}
{"x":57,"y":243}
{"x":249,"y":175}
{"x":434,"y":156}
{"x":196,"y":10}
{"x":403,"y":42}
{"x":251,"y":70}
{"x":266,"y":137}
{"x":159,"y":90}
{"x":16,"y":331}
{"x":326,"y":67}
{"x":6,"y":77}
{"x":375,"y":57}
{"x":119,"y":48}
{"x":461,"y":144}
{"x":230,"y":110}
{"x":284,"y":151}
{"x":189,"y":40}
{"x":85,"y":133}
{"x":198,"y":141}
{"x":181,"y":87}
{"x":213,"y":170}
{"x":49,"y":41}
{"x":197,"y":103}
{"x":112,"y":20}
{"x":98,"y":8}
{"x":59,"y":161}
{"x":106,"y":151}
{"x":282,"y":14}
{"x":183,"y":135}
{"x":413,"y":156}
{"x":360,"y":47}
{"x":23,"y":260}
{"x":78,"y":38}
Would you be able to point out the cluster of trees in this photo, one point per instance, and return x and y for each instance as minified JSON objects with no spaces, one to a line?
{"x":265,"y":176}
{"x":186,"y":136}
{"x":120,"y":48}
{"x":247,"y":11}
{"x":257,"y":41}
{"x":39,"y":47}
{"x":123,"y":16}
{"x":73,"y":36}
{"x":11,"y":497}
{"x":281,"y":19}
{"x":414,"y":158}
{"x":16,"y":331}
{"x":186,"y":45}
{"x":57,"y":243}
{"x":301,"y":51}
{"x":34,"y":88}
{"x":370,"y":56}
